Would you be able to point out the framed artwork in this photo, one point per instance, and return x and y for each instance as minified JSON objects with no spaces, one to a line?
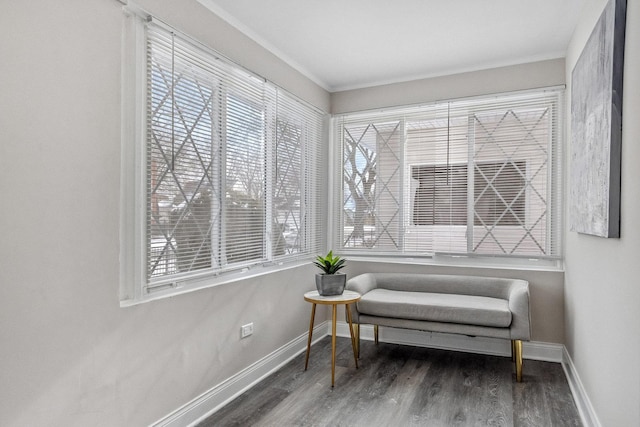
{"x":596,"y":127}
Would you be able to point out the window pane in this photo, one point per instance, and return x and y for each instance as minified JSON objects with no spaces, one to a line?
{"x":372,"y":185}
{"x":499,"y":193}
{"x":180,"y":164}
{"x":245,"y":178}
{"x":436,"y":157}
{"x":511,"y":149}
{"x":287,"y":191}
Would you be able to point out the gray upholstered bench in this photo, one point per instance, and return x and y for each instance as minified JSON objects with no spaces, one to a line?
{"x":468,"y":305}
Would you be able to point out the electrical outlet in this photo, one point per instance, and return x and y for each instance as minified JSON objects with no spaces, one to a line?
{"x":246,"y":330}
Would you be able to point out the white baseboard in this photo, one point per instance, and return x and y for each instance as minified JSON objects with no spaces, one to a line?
{"x":585,"y":409}
{"x":531,"y":350}
{"x":223,"y":393}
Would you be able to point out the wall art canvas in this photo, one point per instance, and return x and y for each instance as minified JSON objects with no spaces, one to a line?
{"x":596,"y":127}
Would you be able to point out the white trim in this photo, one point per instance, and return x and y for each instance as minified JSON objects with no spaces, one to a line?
{"x":212,"y":400}
{"x":208,"y":280}
{"x":532,"y":350}
{"x":132,"y":175}
{"x":464,"y":261}
{"x":585,"y":409}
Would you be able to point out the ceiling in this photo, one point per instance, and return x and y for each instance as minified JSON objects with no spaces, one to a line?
{"x":347,"y":44}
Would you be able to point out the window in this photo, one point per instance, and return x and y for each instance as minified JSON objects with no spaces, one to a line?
{"x":472,"y":177}
{"x":230,"y":168}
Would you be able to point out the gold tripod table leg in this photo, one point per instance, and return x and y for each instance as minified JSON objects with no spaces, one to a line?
{"x":333,"y":344}
{"x":375,"y":333}
{"x":517,"y":347}
{"x":313,"y":315}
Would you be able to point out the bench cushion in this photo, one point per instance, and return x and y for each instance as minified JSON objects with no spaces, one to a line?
{"x":436,"y":307}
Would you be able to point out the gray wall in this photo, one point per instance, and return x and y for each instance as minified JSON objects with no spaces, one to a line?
{"x":504,"y":79}
{"x":69,"y":355}
{"x":602,"y":285}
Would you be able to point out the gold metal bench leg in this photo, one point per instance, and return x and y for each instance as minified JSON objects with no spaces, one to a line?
{"x":517,"y":354}
{"x":353,"y":336}
{"x":355,"y":331}
{"x":375,"y":333}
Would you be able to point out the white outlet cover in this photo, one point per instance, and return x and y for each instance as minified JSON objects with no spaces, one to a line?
{"x":247,"y":330}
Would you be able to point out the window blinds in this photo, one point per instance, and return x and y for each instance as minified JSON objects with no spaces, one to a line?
{"x":183,"y":156}
{"x":477,"y":176}
{"x":298,"y":191}
{"x":231,"y":164}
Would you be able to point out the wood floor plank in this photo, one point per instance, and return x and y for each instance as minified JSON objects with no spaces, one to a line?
{"x":399,"y":385}
{"x":368,"y":386}
{"x":393,"y":407}
{"x":548,"y":382}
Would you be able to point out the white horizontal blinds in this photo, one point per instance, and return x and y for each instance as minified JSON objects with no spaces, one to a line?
{"x":233,"y":166}
{"x":245,"y":160}
{"x":315,"y":176}
{"x":514,"y":148}
{"x":182,"y":157}
{"x":205,"y":161}
{"x":437,"y":153}
{"x":287,"y":181}
{"x":297,"y":174}
{"x":372,"y":164}
{"x":470,"y":176}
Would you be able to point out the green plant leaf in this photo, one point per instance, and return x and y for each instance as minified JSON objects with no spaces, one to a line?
{"x":330,"y":264}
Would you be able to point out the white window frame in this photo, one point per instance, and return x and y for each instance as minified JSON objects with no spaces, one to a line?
{"x":551,"y":262}
{"x":135,"y":286}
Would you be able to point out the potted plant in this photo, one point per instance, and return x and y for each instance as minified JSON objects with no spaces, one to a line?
{"x":330,"y":281}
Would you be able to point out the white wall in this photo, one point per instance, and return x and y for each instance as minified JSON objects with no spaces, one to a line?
{"x":602,"y":283}
{"x":69,"y":355}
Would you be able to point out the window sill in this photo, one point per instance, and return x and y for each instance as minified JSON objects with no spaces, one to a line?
{"x":463,"y":261}
{"x":185,"y":286}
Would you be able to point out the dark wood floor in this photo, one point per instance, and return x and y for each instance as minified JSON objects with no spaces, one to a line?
{"x":404,"y":386}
